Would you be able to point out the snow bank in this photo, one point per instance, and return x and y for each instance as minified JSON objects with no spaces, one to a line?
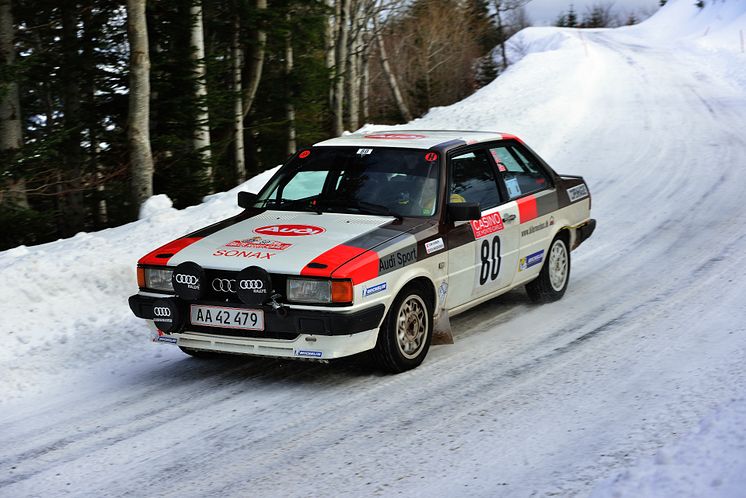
{"x":709,"y":462}
{"x":65,"y":302}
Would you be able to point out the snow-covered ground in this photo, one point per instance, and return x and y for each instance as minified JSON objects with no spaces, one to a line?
{"x":632,"y":385}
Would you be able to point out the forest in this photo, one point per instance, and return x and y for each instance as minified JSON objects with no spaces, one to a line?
{"x":104,"y":103}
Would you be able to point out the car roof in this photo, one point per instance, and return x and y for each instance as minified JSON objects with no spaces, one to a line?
{"x":414,"y":139}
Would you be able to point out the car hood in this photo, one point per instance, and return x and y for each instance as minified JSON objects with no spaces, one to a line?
{"x":287,"y":241}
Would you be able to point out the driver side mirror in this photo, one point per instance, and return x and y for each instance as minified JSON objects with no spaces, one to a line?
{"x":464,"y":211}
{"x":246,"y":199}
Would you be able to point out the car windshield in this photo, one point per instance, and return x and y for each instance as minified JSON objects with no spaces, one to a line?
{"x":385,"y":181}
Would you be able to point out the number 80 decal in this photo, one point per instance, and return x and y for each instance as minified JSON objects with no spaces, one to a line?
{"x":489,"y":253}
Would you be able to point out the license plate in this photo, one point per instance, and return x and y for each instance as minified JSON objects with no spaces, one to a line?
{"x":227,"y":318}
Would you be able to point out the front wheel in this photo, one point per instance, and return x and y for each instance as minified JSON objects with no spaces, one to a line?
{"x":405,"y":335}
{"x":551,"y":283}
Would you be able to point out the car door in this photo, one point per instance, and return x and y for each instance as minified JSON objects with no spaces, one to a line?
{"x":483,"y":254}
{"x":530,"y":187}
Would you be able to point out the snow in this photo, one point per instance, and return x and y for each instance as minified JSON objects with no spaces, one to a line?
{"x":631,"y":385}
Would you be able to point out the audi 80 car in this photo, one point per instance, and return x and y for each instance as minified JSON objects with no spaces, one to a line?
{"x":368,"y":242}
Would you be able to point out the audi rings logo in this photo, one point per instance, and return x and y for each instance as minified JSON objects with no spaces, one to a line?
{"x":224,"y":285}
{"x":251,"y":285}
{"x":186,"y":279}
{"x":161,"y":311}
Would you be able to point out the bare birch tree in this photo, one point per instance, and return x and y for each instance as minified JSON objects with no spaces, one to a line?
{"x":201,"y":139}
{"x":256,"y":62}
{"x":389,"y":74}
{"x":340,"y":66}
{"x":289,"y":107}
{"x":11,"y":133}
{"x":237,"y":67}
{"x":138,"y":133}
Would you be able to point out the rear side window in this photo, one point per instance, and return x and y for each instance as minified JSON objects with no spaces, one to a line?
{"x":472,"y":179}
{"x":520,"y":175}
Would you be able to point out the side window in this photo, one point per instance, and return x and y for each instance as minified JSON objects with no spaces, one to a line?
{"x":472,"y":180}
{"x":519,"y":174}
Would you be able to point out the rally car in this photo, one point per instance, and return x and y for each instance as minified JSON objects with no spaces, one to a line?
{"x":368,"y":242}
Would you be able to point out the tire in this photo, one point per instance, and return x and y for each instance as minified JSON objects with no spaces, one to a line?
{"x":552,"y":281}
{"x":397,"y":354}
{"x":203,"y":355}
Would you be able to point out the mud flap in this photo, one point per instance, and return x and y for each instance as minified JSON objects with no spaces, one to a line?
{"x":442,"y":329}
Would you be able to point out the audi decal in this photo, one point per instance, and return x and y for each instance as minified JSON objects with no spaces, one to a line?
{"x":224,"y":285}
{"x":161,"y":311}
{"x":186,"y":279}
{"x":289,"y":230}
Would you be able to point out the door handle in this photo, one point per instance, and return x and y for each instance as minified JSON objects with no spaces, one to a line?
{"x":509,"y":217}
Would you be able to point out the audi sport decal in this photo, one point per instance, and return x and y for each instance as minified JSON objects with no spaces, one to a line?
{"x":487,"y":224}
{"x":395,"y":136}
{"x":289,"y":230}
{"x":577,"y":192}
{"x":259,"y":243}
{"x":398,"y":259}
{"x":234,"y":253}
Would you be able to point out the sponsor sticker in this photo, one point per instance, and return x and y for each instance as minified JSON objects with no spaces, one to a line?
{"x":431,"y":157}
{"x":374,"y":290}
{"x":487,"y":224}
{"x":259,"y":243}
{"x":304,"y":154}
{"x":536,"y":228}
{"x":289,"y":230}
{"x":364,"y":152}
{"x":395,"y":136}
{"x":397,"y":259}
{"x":235,"y":253}
{"x":160,"y":336}
{"x":514,"y":189}
{"x":311,"y":354}
{"x":434,"y":246}
{"x":577,"y":192}
{"x":531,"y":260}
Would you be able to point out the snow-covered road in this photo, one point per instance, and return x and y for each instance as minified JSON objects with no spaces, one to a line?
{"x":531,"y":400}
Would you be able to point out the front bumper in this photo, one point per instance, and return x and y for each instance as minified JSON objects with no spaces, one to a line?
{"x":296,"y":333}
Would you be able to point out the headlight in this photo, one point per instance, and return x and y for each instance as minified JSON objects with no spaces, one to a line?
{"x":304,"y":290}
{"x":158,"y":279}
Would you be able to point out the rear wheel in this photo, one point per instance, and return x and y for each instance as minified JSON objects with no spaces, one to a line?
{"x":552,"y":281}
{"x":406,"y":332}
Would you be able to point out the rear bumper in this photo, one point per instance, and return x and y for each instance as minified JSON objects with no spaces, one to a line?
{"x":585,"y":231}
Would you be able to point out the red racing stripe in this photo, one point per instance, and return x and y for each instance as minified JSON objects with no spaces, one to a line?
{"x":163,"y":254}
{"x":330,"y":260}
{"x":360,"y":269}
{"x":527,"y":209}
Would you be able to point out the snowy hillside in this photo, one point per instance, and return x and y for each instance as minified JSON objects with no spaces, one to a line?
{"x":632,"y":385}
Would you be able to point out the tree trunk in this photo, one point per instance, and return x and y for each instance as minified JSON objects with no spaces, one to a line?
{"x":201,"y":141}
{"x":289,"y":107}
{"x":390,"y":77}
{"x":256,"y":63}
{"x":340,"y":62}
{"x":90,"y":116}
{"x":237,"y":62}
{"x":330,"y":37}
{"x":74,"y":211}
{"x":11,"y":131}
{"x":138,"y":134}
{"x":365,"y":79}
{"x":501,"y":32}
{"x":353,"y":74}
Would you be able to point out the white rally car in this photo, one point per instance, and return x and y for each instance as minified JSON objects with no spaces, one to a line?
{"x":368,"y":242}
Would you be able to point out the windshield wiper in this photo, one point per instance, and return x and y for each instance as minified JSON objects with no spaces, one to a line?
{"x":362,"y":207}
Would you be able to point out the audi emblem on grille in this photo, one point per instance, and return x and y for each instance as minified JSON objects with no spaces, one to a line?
{"x":186,"y":279}
{"x":161,"y":311}
{"x":224,"y":285}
